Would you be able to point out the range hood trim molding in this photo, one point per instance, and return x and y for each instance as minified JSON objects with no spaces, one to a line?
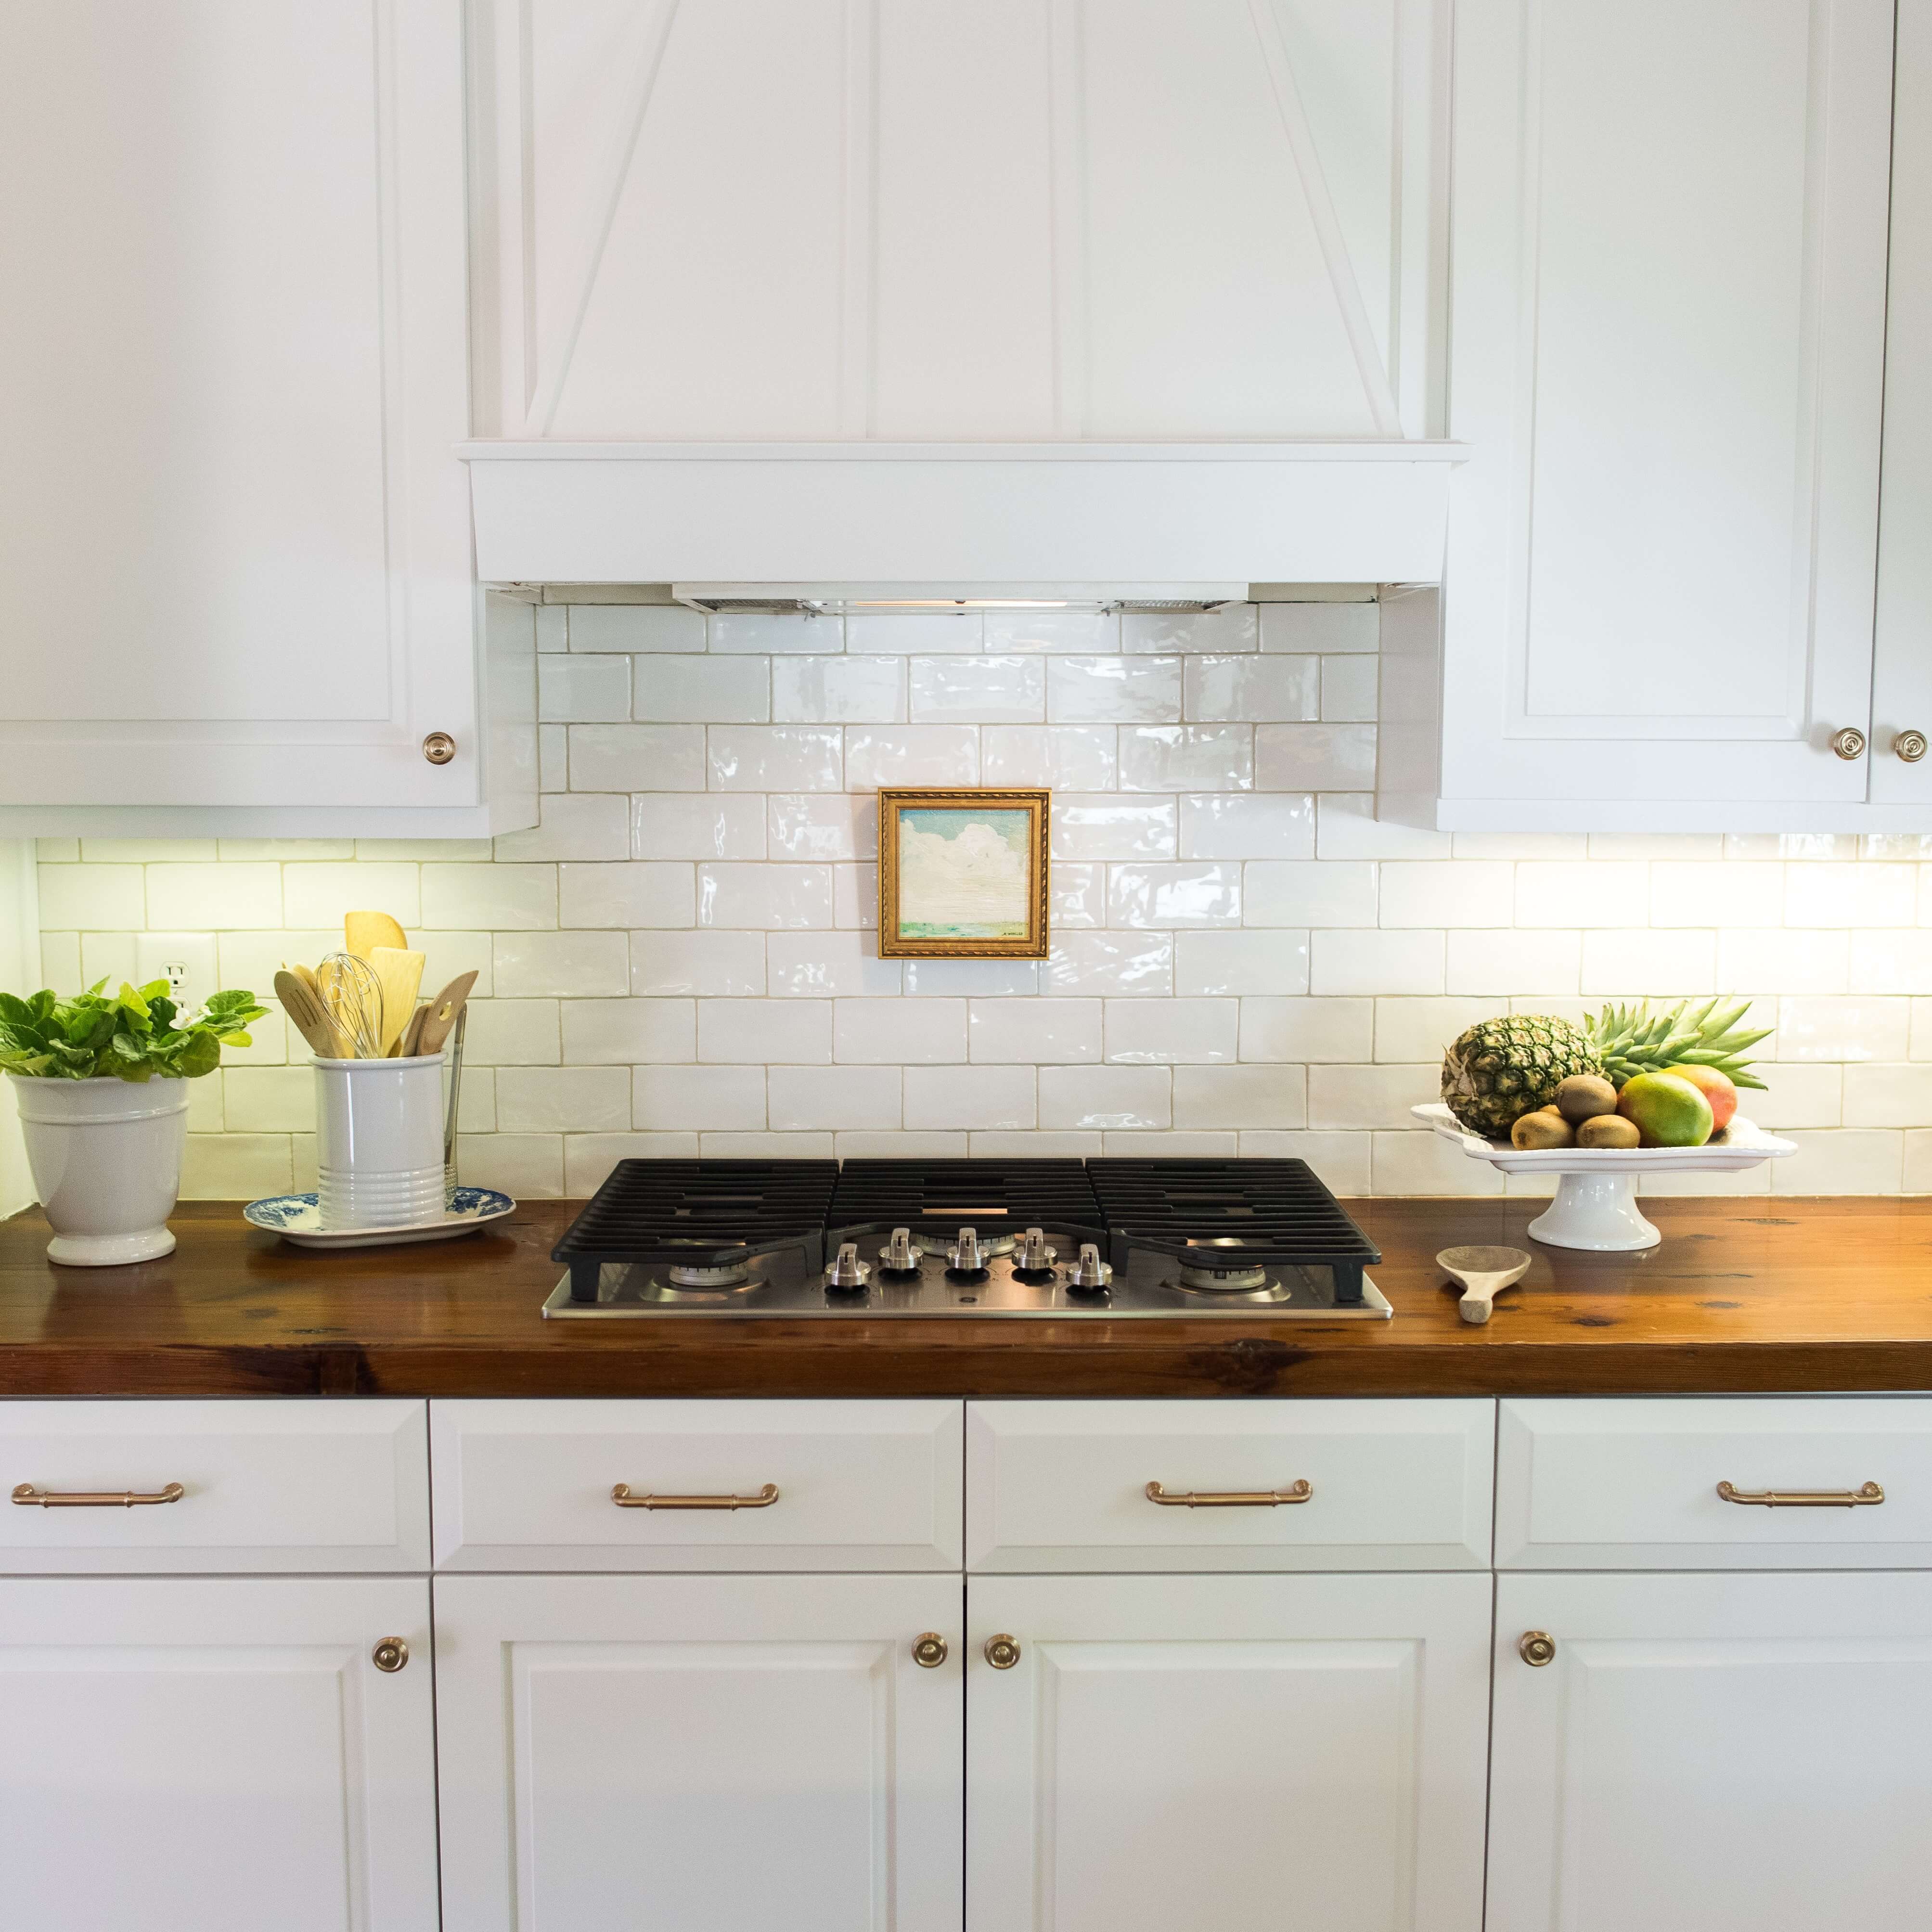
{"x":1367,"y":511}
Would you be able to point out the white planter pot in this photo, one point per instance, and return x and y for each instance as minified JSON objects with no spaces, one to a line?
{"x":107,"y":1160}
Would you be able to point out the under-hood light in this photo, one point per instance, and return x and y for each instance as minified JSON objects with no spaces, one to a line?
{"x":832,"y":600}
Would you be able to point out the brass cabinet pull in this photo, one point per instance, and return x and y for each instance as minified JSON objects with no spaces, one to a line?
{"x":390,"y":1653}
{"x":1295,"y":1492}
{"x":928,"y":1650}
{"x":95,"y":1499}
{"x":1849,"y":743}
{"x":1910,"y":745}
{"x":1536,"y":1648}
{"x":439,"y":748}
{"x":622,"y":1496}
{"x":1003,"y":1651}
{"x":1869,"y":1493}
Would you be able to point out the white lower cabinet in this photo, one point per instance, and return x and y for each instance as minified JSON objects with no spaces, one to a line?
{"x":699,"y":1753}
{"x":1713,"y":1754}
{"x":180,"y":1755}
{"x":1238,"y":1752}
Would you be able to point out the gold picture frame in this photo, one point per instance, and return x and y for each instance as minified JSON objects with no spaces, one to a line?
{"x":986,"y":901}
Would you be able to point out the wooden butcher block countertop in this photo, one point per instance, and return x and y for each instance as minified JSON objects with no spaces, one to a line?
{"x":1747,"y":1295}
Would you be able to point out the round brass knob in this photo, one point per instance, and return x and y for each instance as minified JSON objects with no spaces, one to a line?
{"x":391,"y":1654}
{"x":1849,"y":743}
{"x":1002,"y":1652}
{"x":1910,"y":745}
{"x":928,"y":1650}
{"x":1537,"y":1647}
{"x":439,"y":748}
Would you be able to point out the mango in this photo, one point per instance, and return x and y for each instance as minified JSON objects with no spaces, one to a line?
{"x":1716,"y":1088}
{"x":1670,"y":1111}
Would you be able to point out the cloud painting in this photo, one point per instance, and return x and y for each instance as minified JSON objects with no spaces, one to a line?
{"x":963,"y":873}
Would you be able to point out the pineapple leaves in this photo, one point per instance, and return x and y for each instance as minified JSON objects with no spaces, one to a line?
{"x":137,"y":1034}
{"x":1633,"y":1040}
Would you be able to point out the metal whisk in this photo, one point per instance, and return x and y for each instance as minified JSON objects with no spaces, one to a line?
{"x":351,"y":996}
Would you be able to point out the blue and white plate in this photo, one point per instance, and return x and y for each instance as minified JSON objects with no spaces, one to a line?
{"x":297,"y":1218}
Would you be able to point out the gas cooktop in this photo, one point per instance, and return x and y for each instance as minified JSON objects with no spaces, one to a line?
{"x":1123,"y":1237}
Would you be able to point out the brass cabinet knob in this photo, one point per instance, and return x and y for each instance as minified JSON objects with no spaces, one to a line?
{"x":1849,"y":743}
{"x":1910,"y":745}
{"x":391,"y":1653}
{"x":1003,"y":1651}
{"x":928,"y":1650}
{"x":1536,"y":1648}
{"x":439,"y":748}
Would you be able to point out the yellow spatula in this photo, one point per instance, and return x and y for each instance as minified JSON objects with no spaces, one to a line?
{"x":400,"y":972}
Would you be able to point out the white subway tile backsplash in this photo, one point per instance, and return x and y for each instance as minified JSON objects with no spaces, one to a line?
{"x":1121,"y":964}
{"x":910,"y":754}
{"x":1251,"y":690}
{"x":870,"y":1144}
{"x":899,"y":1033}
{"x":1181,"y":895}
{"x":1315,"y":757}
{"x":1171,"y":1145}
{"x":1113,"y":691}
{"x":772,"y":897}
{"x":1073,"y":757}
{"x":1246,"y":825}
{"x":838,"y":691}
{"x":1033,"y":1032}
{"x":629,"y":758}
{"x":765,"y":1032}
{"x":1186,"y":758}
{"x":572,"y":826}
{"x":985,"y":690}
{"x":728,"y":965}
{"x":674,"y":690}
{"x":1243,"y":956}
{"x":1107,"y":826}
{"x":628,"y":892}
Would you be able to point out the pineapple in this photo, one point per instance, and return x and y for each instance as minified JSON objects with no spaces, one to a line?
{"x":1501,"y":1069}
{"x":1633,"y":1040}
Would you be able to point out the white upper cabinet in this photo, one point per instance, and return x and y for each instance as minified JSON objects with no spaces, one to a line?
{"x":1667,"y":324}
{"x":235,"y":566}
{"x":901,"y":220}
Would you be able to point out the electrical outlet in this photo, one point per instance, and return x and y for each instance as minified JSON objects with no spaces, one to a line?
{"x":186,"y":960}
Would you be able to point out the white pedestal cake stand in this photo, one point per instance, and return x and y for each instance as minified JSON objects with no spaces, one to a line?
{"x":1596,"y":1197}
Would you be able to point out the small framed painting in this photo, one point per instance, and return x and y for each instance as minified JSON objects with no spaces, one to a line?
{"x":962,"y":874}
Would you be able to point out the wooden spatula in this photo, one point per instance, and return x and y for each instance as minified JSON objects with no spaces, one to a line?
{"x":307,"y":1016}
{"x":1483,"y":1273}
{"x":440,"y":1016}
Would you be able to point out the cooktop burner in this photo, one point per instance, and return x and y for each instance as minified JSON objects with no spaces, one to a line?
{"x":1125,"y":1238}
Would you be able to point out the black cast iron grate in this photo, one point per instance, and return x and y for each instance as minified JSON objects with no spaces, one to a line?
{"x":706,"y":1213}
{"x":1254,"y":1211}
{"x":940,"y":1197}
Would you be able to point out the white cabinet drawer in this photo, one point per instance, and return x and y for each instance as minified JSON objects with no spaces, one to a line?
{"x":284,"y":1484}
{"x":1391,"y":1485}
{"x":860,"y":1485}
{"x":1633,"y":1483}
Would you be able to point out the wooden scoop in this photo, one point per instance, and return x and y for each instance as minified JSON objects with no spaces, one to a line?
{"x":1483,"y":1273}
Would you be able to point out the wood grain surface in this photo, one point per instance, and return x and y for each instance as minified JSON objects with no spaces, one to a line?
{"x":1760,"y":1294}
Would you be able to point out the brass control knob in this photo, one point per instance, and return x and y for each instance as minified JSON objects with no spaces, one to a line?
{"x":928,"y":1650}
{"x":1849,"y":743}
{"x":1003,"y":1651}
{"x":439,"y":748}
{"x":1536,"y":1648}
{"x":391,"y":1654}
{"x":1910,"y":745}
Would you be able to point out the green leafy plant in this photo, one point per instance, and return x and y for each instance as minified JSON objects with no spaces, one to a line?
{"x":131,"y":1035}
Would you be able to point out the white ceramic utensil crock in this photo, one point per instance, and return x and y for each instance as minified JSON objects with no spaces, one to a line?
{"x":106,"y":1156}
{"x":379,"y":1141}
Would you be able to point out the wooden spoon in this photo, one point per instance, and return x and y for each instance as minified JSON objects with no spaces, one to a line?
{"x":440,"y":1016}
{"x":308,"y":1016}
{"x":1483,"y":1273}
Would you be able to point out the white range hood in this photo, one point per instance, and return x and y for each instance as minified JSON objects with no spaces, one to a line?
{"x":1152,"y":518}
{"x":876,"y":292}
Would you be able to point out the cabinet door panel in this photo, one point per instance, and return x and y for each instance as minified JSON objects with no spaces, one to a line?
{"x":1241,"y":1752}
{"x":1668,"y":319}
{"x":708,"y":1754}
{"x":1712,"y":1753}
{"x":214,"y":1756}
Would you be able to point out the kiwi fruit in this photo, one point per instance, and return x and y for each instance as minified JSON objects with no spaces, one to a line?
{"x":1584,"y":1096}
{"x":1608,"y":1130}
{"x":1545,"y":1128}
